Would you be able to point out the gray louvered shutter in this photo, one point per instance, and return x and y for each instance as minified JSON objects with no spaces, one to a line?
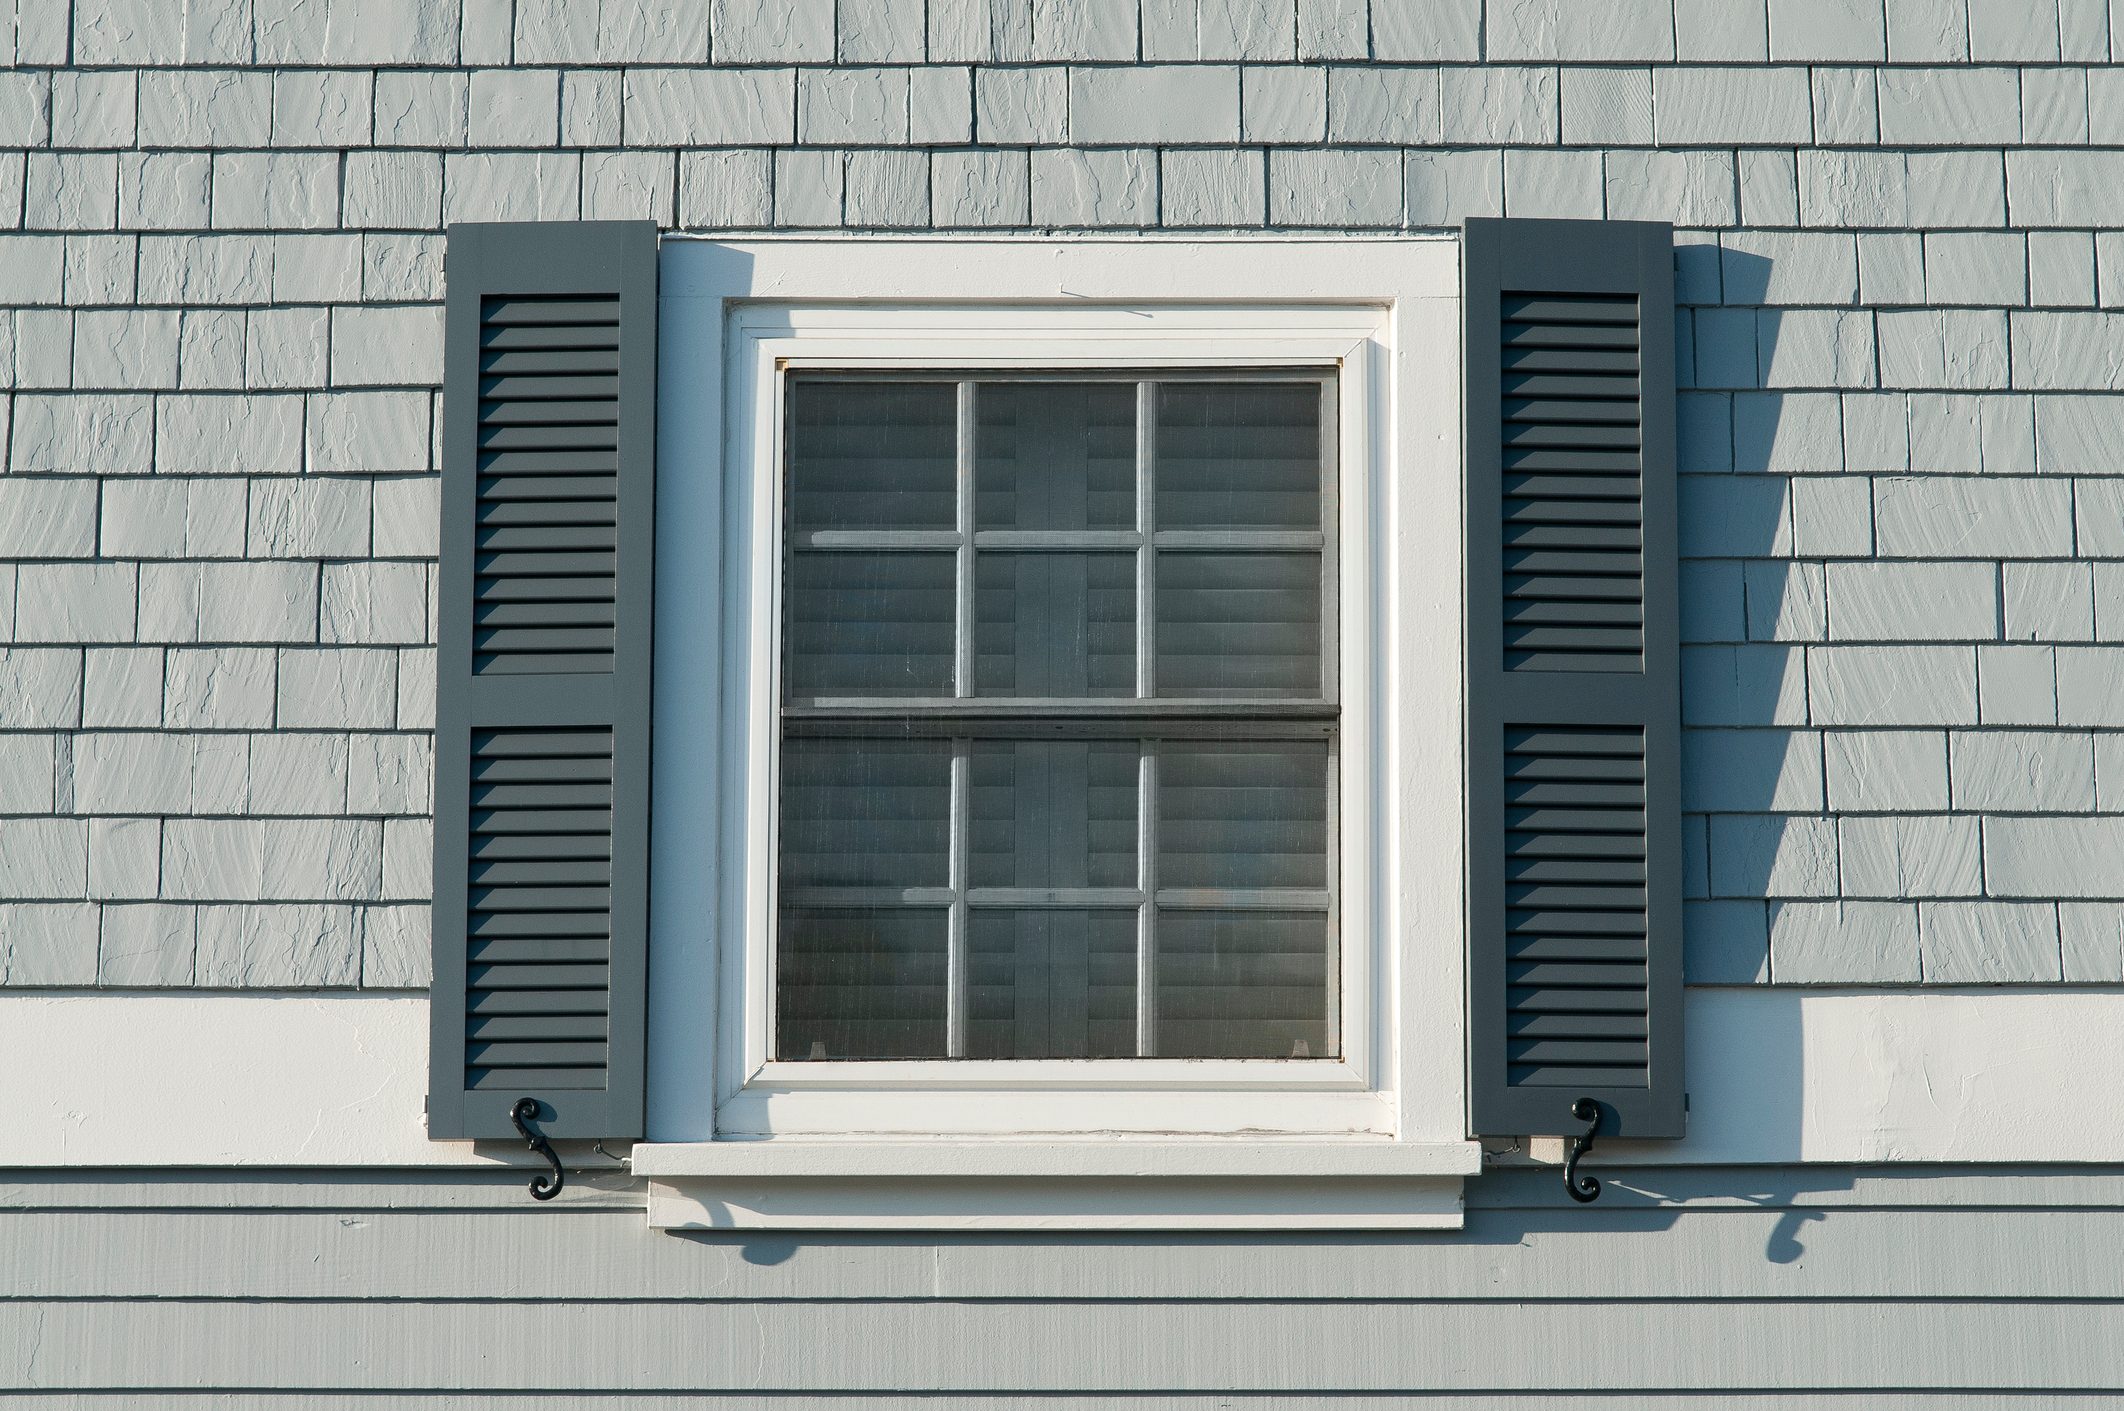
{"x":542,"y":678}
{"x":1573,"y":692}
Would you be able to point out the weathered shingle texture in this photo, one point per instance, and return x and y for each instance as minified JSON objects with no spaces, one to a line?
{"x":1901,"y":347}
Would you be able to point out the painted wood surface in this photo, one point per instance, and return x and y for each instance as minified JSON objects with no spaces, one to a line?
{"x":1775,"y":1075}
{"x":1124,"y":1401}
{"x":129,"y":1289}
{"x":608,"y":1255}
{"x":1010,"y":1345}
{"x":1522,"y":1187}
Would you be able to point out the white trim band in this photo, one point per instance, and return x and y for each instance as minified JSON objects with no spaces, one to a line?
{"x":1118,"y":1159}
{"x":1776,"y":1076}
{"x":1425,"y":1203}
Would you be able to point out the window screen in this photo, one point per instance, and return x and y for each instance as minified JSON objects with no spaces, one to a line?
{"x":1058,"y":718}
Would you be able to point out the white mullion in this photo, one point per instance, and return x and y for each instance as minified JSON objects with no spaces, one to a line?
{"x":1337,"y":884}
{"x":963,"y":624}
{"x":961,"y":749}
{"x":1147,"y":528}
{"x":1146,"y":685}
{"x":955,"y":935}
{"x":1147,"y":914}
{"x":1331,"y":613}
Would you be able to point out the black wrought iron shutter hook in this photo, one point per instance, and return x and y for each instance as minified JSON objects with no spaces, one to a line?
{"x":547,"y":1186}
{"x":1583,"y":1189}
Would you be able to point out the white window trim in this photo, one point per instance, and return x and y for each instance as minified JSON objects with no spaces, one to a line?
{"x":1386,"y":311}
{"x":757,"y":1096}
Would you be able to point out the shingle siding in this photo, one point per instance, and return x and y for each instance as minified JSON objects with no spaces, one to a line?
{"x":1903,"y":521}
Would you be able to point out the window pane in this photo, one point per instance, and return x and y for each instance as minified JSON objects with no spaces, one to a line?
{"x":1055,"y":455}
{"x":866,"y":813}
{"x":1054,"y":624}
{"x":1238,"y":625}
{"x":862,"y":983}
{"x":1051,"y":984}
{"x":870,"y":624}
{"x":1243,"y":814}
{"x":1054,"y":814}
{"x":873,"y":455}
{"x":1243,"y":984}
{"x":1238,"y":455}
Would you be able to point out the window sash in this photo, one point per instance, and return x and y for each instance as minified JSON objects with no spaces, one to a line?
{"x":966,"y":717}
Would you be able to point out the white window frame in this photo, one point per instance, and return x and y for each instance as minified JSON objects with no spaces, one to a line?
{"x":734,"y":317}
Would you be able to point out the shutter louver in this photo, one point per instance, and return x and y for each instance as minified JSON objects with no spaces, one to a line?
{"x":1573,"y":506}
{"x":548,"y":485}
{"x":542,"y":679}
{"x":1573,"y":694}
{"x":1575,"y":907}
{"x":538,"y":909}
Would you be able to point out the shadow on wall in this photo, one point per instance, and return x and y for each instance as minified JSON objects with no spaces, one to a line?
{"x":1659,"y":1231}
{"x":1659,"y":1227}
{"x":1745,"y":766}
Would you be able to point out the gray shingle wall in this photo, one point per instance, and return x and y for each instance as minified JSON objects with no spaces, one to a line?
{"x":1900,"y":270}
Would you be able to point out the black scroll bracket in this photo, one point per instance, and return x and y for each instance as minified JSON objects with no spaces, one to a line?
{"x":1583,"y":1189}
{"x":546,"y":1186}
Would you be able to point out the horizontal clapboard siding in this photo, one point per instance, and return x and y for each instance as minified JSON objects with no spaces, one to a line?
{"x":542,"y":679}
{"x":1010,"y":1347}
{"x":1886,"y":1287}
{"x":1125,"y":1401}
{"x":1573,"y":745}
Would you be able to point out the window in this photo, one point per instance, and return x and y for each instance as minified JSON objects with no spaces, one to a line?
{"x":1040,"y":707}
{"x":1058,"y":738}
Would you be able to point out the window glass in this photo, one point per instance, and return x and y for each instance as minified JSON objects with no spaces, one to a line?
{"x":1242,"y":455}
{"x":866,"y":813}
{"x":1055,"y":455}
{"x":1054,"y":623}
{"x":1051,"y":982}
{"x":873,"y":455}
{"x":1243,"y":814}
{"x":1054,"y":813}
{"x":863,"y":982}
{"x":1238,"y":624}
{"x":1059,"y":726}
{"x":870,"y":624}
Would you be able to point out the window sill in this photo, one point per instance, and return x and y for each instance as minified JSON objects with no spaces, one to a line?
{"x":1055,"y":1185}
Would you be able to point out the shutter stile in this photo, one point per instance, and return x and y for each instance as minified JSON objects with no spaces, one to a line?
{"x":542,"y":728}
{"x":1573,"y":678}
